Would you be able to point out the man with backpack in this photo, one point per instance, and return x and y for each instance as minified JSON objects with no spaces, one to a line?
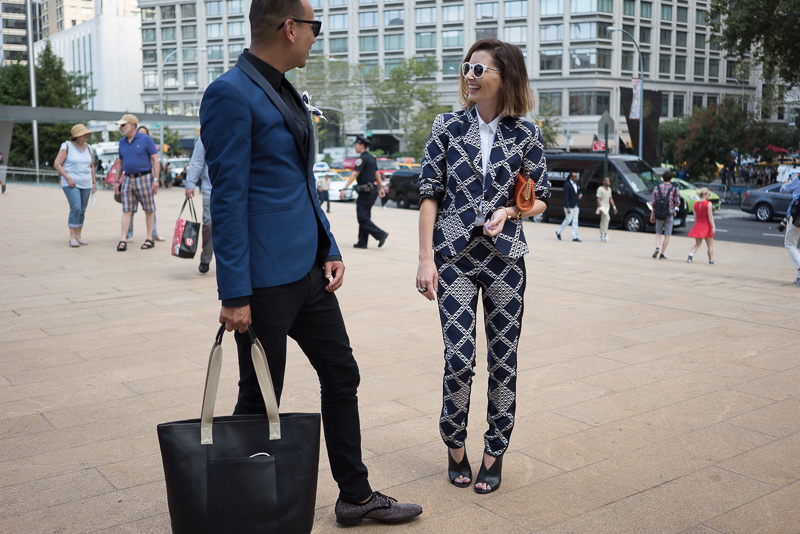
{"x":665,"y":200}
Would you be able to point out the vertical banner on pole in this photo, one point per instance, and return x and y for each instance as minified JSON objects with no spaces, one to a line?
{"x":637,"y":98}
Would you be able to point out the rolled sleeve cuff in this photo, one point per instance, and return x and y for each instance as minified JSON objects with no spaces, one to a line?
{"x":237,"y":302}
{"x":332,"y":258}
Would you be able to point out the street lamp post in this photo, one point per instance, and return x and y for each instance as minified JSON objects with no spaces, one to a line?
{"x":363,"y":93}
{"x":161,"y":87}
{"x":641,"y":85}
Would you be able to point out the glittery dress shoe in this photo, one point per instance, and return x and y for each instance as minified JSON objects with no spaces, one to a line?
{"x":379,"y":507}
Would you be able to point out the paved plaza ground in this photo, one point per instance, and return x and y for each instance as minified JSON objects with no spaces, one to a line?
{"x":653,"y":396}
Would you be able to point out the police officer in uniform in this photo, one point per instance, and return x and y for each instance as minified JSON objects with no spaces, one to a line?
{"x":366,"y":175}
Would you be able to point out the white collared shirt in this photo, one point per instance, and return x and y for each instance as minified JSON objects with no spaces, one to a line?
{"x":488,"y":131}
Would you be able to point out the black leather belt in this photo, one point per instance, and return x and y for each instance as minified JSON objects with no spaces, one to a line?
{"x":138,"y":174}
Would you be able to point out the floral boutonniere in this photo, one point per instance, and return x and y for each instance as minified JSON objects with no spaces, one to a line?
{"x":311,"y":109}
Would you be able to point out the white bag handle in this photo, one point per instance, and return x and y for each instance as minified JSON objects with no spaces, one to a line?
{"x":212,"y":384}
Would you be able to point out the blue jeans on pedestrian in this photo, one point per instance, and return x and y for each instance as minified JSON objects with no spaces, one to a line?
{"x":78,"y":200}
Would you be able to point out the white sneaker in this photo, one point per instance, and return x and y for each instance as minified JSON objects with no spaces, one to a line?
{"x":797,"y":281}
{"x":606,"y":236}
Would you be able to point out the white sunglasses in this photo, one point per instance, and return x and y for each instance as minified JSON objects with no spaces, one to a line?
{"x":478,"y":69}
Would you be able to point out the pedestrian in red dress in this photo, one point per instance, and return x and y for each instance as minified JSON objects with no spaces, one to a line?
{"x":704,"y":226}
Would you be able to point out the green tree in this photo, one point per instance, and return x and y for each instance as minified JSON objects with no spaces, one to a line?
{"x":171,"y":139}
{"x":668,"y":134}
{"x":418,"y":130}
{"x":399,"y":97}
{"x":767,"y":29}
{"x":55,"y":87}
{"x":714,"y":133}
{"x":549,"y":118}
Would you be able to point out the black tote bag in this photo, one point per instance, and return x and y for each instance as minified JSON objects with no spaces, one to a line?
{"x":187,"y":233}
{"x":243,"y":474}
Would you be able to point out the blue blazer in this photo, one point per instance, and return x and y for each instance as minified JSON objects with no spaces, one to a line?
{"x":268,"y":228}
{"x":571,"y":199}
{"x":451,"y":174}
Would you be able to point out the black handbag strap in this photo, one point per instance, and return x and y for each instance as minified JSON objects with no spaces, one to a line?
{"x":212,"y":383}
{"x":191,"y":209}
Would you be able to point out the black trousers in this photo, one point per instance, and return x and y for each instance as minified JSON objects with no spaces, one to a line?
{"x":311,"y":316}
{"x":366,"y":227}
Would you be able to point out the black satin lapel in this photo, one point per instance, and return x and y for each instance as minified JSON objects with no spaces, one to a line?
{"x":273,"y":95}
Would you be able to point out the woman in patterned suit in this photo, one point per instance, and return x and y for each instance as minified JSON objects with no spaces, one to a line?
{"x":471,"y":240}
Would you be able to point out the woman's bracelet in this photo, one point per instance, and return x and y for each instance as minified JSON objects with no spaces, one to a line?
{"x":508,"y":214}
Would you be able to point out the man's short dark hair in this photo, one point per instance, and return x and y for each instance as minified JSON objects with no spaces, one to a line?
{"x":266,"y":15}
{"x":667,"y":176}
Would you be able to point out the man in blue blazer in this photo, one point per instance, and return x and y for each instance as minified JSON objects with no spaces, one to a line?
{"x":278,"y":264}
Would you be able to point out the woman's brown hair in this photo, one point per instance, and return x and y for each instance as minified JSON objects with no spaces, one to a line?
{"x":516,"y":97}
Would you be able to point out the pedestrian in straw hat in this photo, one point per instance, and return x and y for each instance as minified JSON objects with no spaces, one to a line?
{"x":75,"y":164}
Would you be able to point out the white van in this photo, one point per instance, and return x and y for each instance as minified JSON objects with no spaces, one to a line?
{"x":106,"y":152}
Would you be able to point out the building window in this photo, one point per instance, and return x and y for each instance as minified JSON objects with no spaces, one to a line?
{"x":486,"y":33}
{"x":168,"y":34}
{"x":150,"y":78}
{"x":516,"y":34}
{"x":213,"y":9}
{"x":368,"y":44}
{"x":713,"y":68}
{"x":589,"y":58}
{"x":452,"y":38}
{"x":730,"y":69}
{"x":550,"y":101}
{"x":235,"y":29}
{"x":711,"y":99}
{"x":390,"y":64}
{"x":680,"y":65}
{"x":234,"y":49}
{"x":337,"y":22}
{"x":629,"y":8}
{"x":167,"y":12}
{"x":394,"y":17}
{"x":234,"y":7}
{"x":515,"y":9}
{"x":551,"y":60}
{"x":214,"y":30}
{"x":215,"y":52}
{"x":680,"y":39}
{"x":591,"y":6}
{"x":169,"y":55}
{"x":627,"y":61}
{"x":426,"y":15}
{"x":149,"y":35}
{"x":189,"y":78}
{"x":148,"y":14}
{"x":453,"y":14}
{"x":214,"y":73}
{"x":665,"y":105}
{"x":149,"y":56}
{"x":393,"y":41}
{"x":550,"y":8}
{"x":666,"y":37}
{"x":316,"y":4}
{"x":646,"y":11}
{"x":589,"y":102}
{"x":664,"y":64}
{"x":700,"y":41}
{"x":697,"y":101}
{"x":336,"y":3}
{"x":338,"y":45}
{"x":699,"y":67}
{"x":700,"y":17}
{"x":188,"y":11}
{"x":487,"y":11}
{"x":189,"y":55}
{"x":582,"y":31}
{"x":682,"y":15}
{"x":631,"y":30}
{"x":644,"y":35}
{"x":713,"y":44}
{"x":425,"y":40}
{"x":170,"y":78}
{"x":451,"y":65}
{"x":549,"y":33}
{"x":189,"y":33}
{"x":368,"y":19}
{"x":666,"y":12}
{"x":369,"y":67}
{"x":646,"y":63}
{"x":677,"y":105}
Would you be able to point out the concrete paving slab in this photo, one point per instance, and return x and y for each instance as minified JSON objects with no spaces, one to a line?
{"x":653,"y":396}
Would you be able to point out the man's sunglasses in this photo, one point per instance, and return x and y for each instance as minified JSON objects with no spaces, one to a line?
{"x":316,"y":25}
{"x":478,"y":69}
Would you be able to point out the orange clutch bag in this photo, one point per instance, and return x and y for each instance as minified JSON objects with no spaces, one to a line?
{"x":524,"y":195}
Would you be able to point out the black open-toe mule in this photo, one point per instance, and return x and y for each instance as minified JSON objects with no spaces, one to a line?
{"x":491,"y":476}
{"x":457,"y":469}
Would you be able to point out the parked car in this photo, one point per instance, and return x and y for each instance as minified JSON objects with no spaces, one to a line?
{"x":337,"y":185}
{"x":688,"y":192}
{"x":767,"y":202}
{"x":404,"y":188}
{"x":632,"y":184}
{"x":176,"y":166}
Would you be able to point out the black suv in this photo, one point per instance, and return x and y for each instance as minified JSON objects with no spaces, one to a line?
{"x":404,"y":188}
{"x":632,"y":184}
